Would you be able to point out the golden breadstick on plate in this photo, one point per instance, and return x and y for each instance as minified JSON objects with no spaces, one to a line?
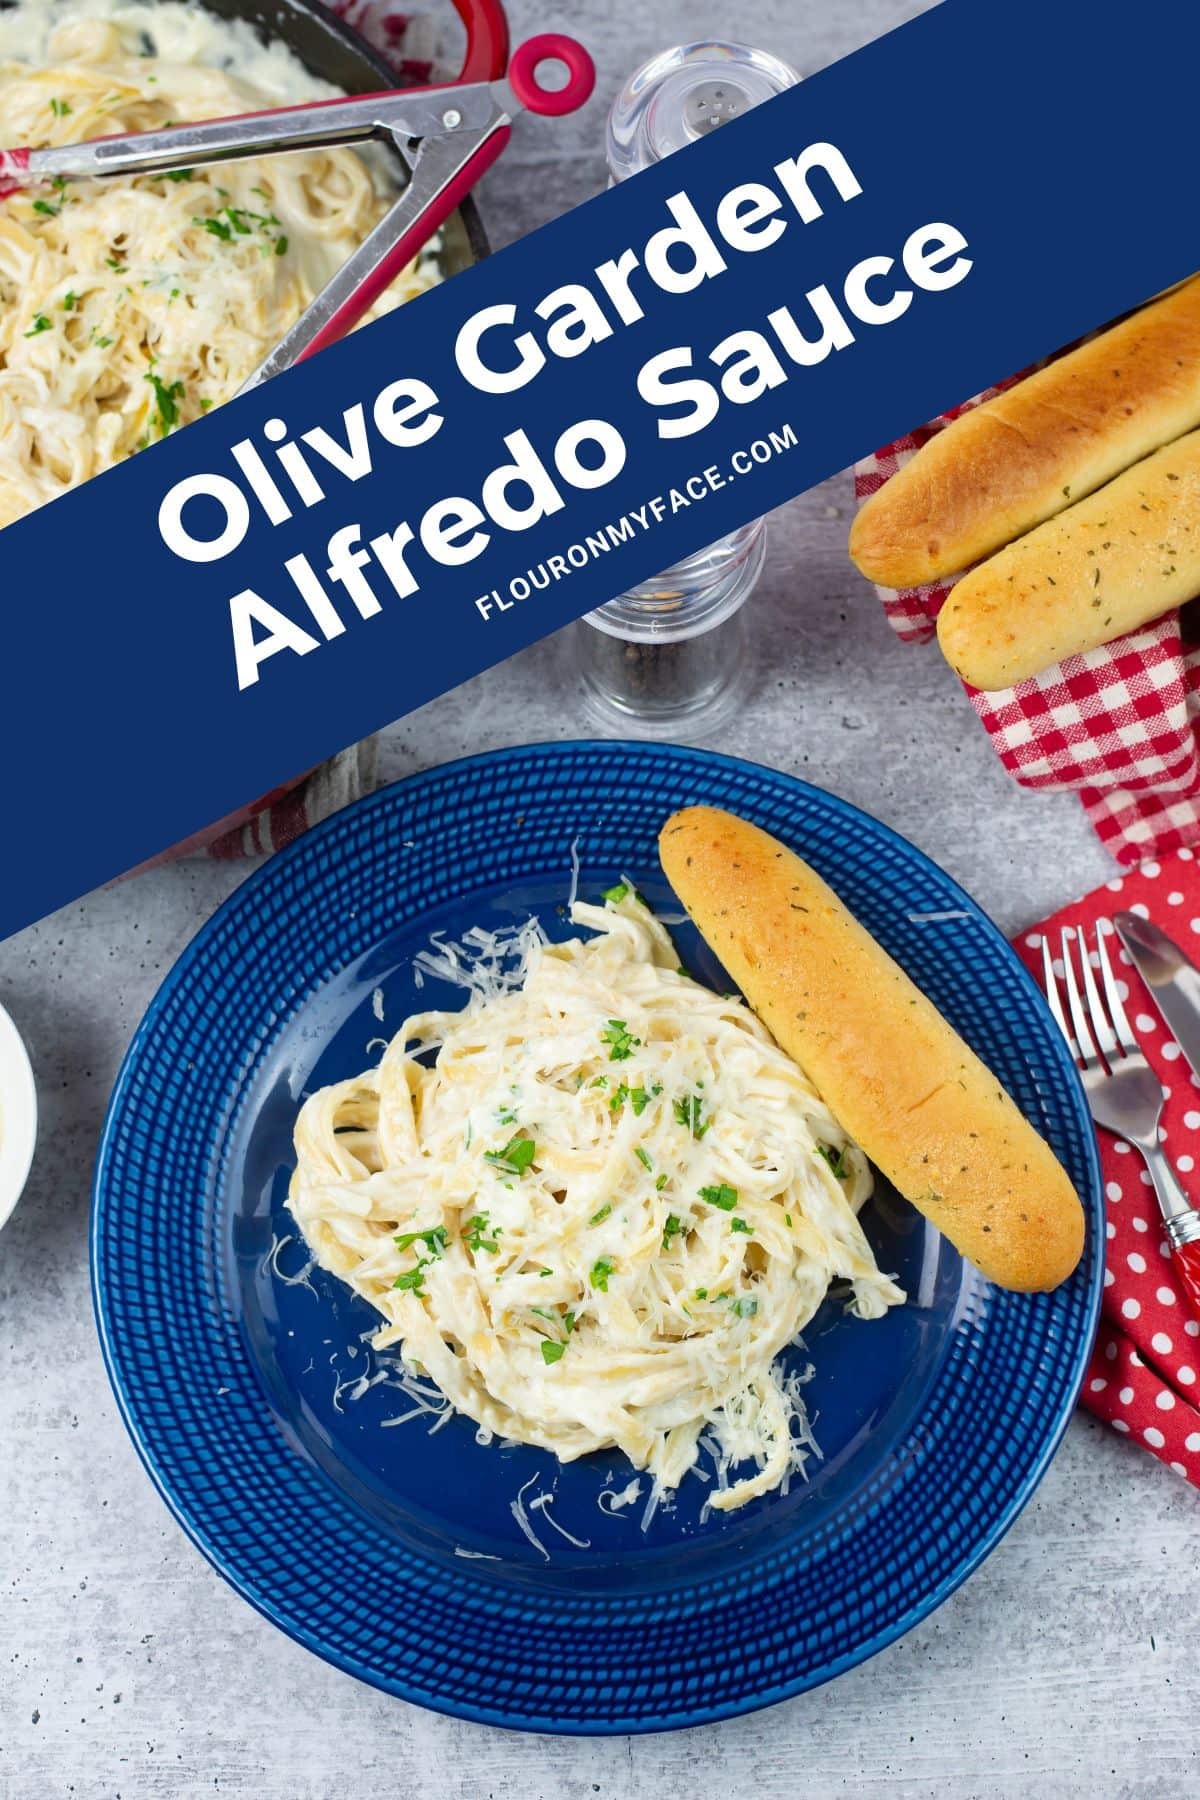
{"x":896,"y":1076}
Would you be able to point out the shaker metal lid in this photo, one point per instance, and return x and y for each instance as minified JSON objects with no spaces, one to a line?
{"x":683,"y":94}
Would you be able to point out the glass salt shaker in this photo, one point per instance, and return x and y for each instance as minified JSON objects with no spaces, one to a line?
{"x":671,"y":652}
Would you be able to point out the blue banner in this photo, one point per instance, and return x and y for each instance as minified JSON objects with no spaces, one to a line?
{"x":678,"y":356}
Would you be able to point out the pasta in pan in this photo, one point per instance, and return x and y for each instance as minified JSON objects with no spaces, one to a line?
{"x":598,"y":1218}
{"x":129,"y":306}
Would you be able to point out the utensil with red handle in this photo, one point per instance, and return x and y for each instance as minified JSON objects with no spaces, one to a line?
{"x":1173,"y":983}
{"x":1186,"y":1258}
{"x":448,"y":135}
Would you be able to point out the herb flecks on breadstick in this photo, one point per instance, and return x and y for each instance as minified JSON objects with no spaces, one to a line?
{"x":1023,"y":456}
{"x":1102,"y":568}
{"x":894,"y":1074}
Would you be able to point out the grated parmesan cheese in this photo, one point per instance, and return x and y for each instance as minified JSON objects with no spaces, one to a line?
{"x":603,"y":1212}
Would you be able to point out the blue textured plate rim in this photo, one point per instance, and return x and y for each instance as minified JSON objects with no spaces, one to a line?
{"x":1072,"y":1095}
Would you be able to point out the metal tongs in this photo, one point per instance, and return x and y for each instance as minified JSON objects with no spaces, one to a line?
{"x":446,"y":135}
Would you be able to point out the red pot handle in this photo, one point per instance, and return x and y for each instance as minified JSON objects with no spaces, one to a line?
{"x":487,"y":39}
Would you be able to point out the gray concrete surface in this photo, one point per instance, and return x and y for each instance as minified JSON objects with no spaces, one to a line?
{"x":127,"y":1668}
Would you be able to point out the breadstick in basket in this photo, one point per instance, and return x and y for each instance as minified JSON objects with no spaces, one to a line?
{"x":1022,"y":457}
{"x":1115,"y":561}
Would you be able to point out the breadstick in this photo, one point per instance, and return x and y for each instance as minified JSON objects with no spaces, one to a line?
{"x":927,"y":1112}
{"x":1115,"y":561}
{"x":1022,"y":457}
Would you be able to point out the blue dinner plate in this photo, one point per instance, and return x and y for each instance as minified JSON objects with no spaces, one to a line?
{"x":489,"y":1581}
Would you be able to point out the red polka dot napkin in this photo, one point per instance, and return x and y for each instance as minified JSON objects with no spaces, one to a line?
{"x":1144,"y":1376}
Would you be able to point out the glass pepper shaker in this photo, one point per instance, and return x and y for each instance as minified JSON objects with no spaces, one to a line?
{"x":670,"y":653}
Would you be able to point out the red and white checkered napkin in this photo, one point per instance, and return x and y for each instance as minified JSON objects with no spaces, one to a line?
{"x":1144,"y":1376}
{"x":284,"y":814}
{"x":1117,"y":725}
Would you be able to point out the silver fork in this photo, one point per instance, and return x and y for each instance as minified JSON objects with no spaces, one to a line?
{"x":1124,"y":1093}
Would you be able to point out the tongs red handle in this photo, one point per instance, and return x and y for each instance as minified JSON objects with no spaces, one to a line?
{"x":485,"y":59}
{"x":472,"y":129}
{"x":552,"y":47}
{"x":448,"y":135}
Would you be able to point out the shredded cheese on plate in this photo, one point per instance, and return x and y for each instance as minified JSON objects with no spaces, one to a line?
{"x":599,"y":1216}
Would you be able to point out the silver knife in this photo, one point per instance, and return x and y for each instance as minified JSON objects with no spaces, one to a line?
{"x":1172,"y":978}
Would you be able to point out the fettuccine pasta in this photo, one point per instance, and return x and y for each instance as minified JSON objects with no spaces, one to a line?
{"x":129,"y":306}
{"x":601,"y":1214}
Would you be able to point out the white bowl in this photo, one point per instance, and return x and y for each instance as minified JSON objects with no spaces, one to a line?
{"x":18,"y":1115}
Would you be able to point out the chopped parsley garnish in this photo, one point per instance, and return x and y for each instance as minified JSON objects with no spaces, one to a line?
{"x":672,"y":1229}
{"x":40,"y":323}
{"x":620,"y":1040}
{"x":47,"y":211}
{"x":618,"y":893}
{"x":660,"y":1184}
{"x":835,"y":1159}
{"x":506,"y":1116}
{"x":115,"y":263}
{"x":722,"y":1196}
{"x":599,"y":1216}
{"x":166,"y":401}
{"x":70,"y":302}
{"x":690,"y":1114}
{"x":414,"y":1281}
{"x":600,"y":1273}
{"x":516,"y":1156}
{"x":643,"y":1157}
{"x":239,"y":221}
{"x":619,"y":1098}
{"x":101,"y":343}
{"x":60,"y":108}
{"x":480,"y":1234}
{"x":641,"y":1097}
{"x":179,"y":175}
{"x":744,"y":1307}
{"x":739,"y":1224}
{"x":434,"y":1239}
{"x":702,"y":1293}
{"x":551,"y":1351}
{"x":569,"y":1322}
